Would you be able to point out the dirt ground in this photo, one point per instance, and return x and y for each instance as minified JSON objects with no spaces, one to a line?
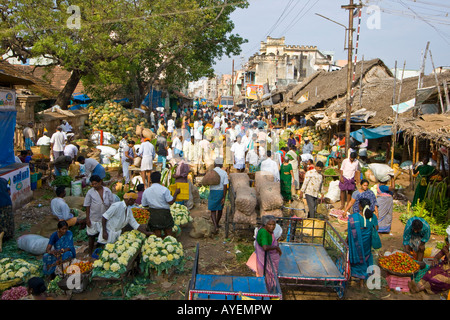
{"x":218,"y":255}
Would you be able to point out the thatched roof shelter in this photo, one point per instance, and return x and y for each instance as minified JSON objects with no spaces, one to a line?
{"x":434,"y":127}
{"x":323,"y":88}
{"x":378,"y":96}
{"x":37,"y":86}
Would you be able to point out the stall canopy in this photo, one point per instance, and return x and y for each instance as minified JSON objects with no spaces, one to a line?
{"x":373,"y":133}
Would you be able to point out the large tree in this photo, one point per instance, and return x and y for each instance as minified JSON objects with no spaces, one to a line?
{"x":121,"y":45}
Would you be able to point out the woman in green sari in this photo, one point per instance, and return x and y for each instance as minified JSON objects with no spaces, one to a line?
{"x":423,"y":172}
{"x":286,"y":178}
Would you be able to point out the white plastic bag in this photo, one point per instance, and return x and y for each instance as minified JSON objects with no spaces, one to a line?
{"x":33,"y":243}
{"x":382,"y":172}
{"x":334,"y":193}
{"x":76,"y":188}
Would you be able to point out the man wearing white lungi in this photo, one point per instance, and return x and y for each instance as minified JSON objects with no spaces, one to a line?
{"x":97,"y":200}
{"x":117,"y":217}
{"x":238,"y":153}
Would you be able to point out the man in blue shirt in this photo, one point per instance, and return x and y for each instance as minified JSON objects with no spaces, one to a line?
{"x":308,"y":147}
{"x":415,"y":236}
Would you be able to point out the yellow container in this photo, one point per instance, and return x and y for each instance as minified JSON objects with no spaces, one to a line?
{"x":312,"y":227}
{"x":184,"y":190}
{"x":39,"y":183}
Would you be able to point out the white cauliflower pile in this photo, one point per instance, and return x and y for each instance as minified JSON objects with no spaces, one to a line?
{"x":116,"y":256}
{"x":11,"y":269}
{"x":180,"y":214}
{"x":161,"y":254}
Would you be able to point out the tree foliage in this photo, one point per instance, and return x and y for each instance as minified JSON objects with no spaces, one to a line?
{"x":122,"y":46}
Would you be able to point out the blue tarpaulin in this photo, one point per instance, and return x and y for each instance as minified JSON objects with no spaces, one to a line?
{"x":8,"y":123}
{"x":81,"y":97}
{"x":157,"y":101}
{"x":374,"y":133}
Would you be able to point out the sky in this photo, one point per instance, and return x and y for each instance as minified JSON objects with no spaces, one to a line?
{"x":395,"y":30}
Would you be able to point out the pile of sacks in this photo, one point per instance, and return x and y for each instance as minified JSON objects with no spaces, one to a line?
{"x":270,"y":200}
{"x":245,"y":201}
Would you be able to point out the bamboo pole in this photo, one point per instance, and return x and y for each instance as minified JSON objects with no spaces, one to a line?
{"x":437,"y":84}
{"x":394,"y":127}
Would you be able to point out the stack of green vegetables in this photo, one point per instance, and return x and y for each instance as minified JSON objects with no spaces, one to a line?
{"x":161,"y":254}
{"x":433,"y":209}
{"x":180,"y":214}
{"x":115,"y":257}
{"x":13,"y":269}
{"x":65,"y":181}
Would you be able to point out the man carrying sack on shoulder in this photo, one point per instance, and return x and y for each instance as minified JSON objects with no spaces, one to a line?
{"x":217,"y":194}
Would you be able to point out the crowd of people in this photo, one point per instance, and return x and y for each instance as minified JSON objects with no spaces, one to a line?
{"x":197,"y":140}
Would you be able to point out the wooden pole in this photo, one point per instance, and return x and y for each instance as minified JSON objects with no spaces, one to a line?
{"x":437,"y":84}
{"x":394,"y":127}
{"x":360,"y":83}
{"x":350,"y":7}
{"x":447,"y":100}
{"x":422,"y":73}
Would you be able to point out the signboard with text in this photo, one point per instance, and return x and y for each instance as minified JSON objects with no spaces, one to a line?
{"x":7,"y":100}
{"x":19,"y":184}
{"x":254,"y":91}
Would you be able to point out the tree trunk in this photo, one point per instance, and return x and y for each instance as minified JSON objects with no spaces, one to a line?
{"x":65,"y":95}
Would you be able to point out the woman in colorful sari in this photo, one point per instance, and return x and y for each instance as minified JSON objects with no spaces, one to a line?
{"x":437,"y":279}
{"x":423,"y":172}
{"x":363,"y":192}
{"x":294,"y":163}
{"x":359,"y":238}
{"x":385,"y":203}
{"x":60,"y":248}
{"x":286,"y":178}
{"x":267,"y":244}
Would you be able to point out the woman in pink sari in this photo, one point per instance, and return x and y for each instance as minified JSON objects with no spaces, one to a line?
{"x":266,"y":244}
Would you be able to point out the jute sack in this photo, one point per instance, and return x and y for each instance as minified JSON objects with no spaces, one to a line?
{"x":200,"y":228}
{"x":276,"y":213}
{"x":269,"y":197}
{"x":138,"y":130}
{"x":246,"y":200}
{"x":147,"y":133}
{"x":261,"y":178}
{"x":240,"y":217}
{"x":211,"y":178}
{"x":239,"y":180}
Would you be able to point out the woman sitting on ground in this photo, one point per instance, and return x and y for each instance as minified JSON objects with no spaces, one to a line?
{"x":60,"y":249}
{"x":437,"y":279}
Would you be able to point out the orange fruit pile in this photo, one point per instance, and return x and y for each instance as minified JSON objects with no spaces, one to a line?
{"x":84,"y":266}
{"x":399,"y":262}
{"x":141,"y":215}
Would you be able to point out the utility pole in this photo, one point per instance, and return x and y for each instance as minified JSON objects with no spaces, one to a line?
{"x":351,"y":8}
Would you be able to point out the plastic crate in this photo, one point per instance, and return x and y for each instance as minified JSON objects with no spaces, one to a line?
{"x":395,"y":282}
{"x":184,"y":190}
